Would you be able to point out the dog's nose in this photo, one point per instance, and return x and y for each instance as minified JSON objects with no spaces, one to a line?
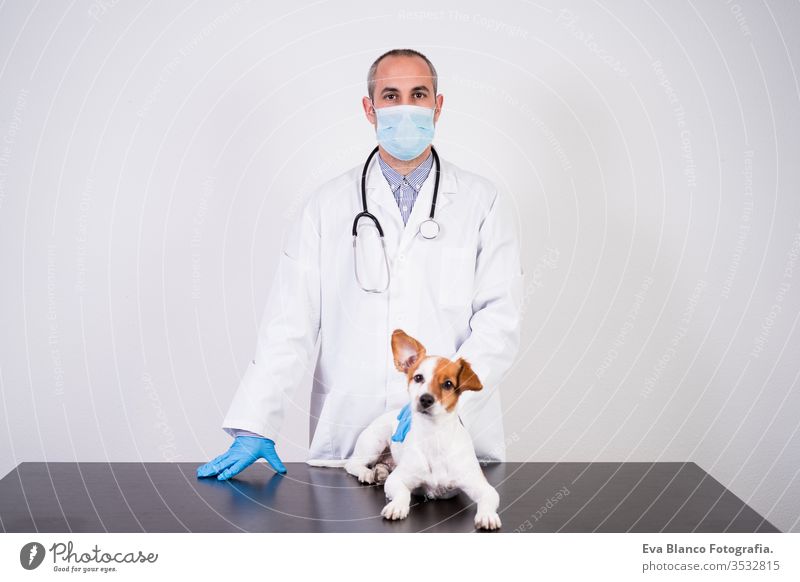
{"x":426,"y":400}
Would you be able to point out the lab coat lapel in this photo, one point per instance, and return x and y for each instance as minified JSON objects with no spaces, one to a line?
{"x":422,"y":206}
{"x":382,"y":204}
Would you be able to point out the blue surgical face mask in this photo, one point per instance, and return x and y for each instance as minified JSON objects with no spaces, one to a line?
{"x":404,"y":130}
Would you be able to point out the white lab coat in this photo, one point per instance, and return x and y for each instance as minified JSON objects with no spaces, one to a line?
{"x":460,"y":295}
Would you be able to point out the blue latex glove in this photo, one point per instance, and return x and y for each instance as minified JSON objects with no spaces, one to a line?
{"x":405,"y":423}
{"x":244,"y":451}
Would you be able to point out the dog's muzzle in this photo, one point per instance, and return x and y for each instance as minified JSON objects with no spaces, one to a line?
{"x":425,"y":401}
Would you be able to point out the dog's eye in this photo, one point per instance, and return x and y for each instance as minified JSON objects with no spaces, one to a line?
{"x":448,"y":385}
{"x":418,"y":378}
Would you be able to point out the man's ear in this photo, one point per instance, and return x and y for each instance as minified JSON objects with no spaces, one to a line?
{"x":407,"y":351}
{"x":467,"y":379}
{"x":369,"y":110}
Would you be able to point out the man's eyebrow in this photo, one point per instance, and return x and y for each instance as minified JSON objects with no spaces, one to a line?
{"x":396,"y":90}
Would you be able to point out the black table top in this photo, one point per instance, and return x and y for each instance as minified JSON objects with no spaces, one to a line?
{"x":534,"y":497}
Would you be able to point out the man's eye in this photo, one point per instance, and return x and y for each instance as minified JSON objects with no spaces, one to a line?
{"x":418,"y":378}
{"x":448,"y":385}
{"x":390,"y":96}
{"x":420,"y":95}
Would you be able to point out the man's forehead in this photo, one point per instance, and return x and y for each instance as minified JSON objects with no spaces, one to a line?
{"x":403,"y":71}
{"x":404,"y":79}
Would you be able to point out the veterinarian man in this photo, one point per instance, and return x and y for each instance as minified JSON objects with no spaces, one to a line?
{"x":452,"y":278}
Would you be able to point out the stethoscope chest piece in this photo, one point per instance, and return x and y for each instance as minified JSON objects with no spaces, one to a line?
{"x":429,"y":229}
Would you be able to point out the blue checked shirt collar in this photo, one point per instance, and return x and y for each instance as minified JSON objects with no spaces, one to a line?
{"x":415,"y":178}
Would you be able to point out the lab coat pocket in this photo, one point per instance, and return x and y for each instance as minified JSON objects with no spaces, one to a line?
{"x":456,"y":276}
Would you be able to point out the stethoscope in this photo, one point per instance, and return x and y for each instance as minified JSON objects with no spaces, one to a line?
{"x":428,"y":228}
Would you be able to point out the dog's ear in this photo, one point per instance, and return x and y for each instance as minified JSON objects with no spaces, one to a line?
{"x":467,"y":379}
{"x":407,"y":351}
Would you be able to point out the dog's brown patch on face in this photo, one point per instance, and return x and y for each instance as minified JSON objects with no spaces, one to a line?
{"x":451,"y":379}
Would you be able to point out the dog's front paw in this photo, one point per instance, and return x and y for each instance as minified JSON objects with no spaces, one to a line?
{"x":366,"y":475}
{"x":395,"y":510}
{"x":487,"y":520}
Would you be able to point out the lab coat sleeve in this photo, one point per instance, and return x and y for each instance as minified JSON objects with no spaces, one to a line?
{"x":494,"y":338}
{"x":235,"y":432}
{"x":287,"y":334}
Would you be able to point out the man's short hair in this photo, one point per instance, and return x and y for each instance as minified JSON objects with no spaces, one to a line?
{"x":398,"y":53}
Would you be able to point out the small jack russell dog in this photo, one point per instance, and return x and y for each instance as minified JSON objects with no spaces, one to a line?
{"x":436,"y":458}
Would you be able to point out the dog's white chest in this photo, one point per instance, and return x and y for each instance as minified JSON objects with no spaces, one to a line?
{"x":437,"y":459}
{"x":439,"y":489}
{"x":436,"y":473}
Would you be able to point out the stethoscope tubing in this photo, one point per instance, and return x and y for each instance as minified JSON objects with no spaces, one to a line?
{"x":366,"y":214}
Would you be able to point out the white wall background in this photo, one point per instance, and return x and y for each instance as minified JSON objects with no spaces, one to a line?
{"x":151,"y":152}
